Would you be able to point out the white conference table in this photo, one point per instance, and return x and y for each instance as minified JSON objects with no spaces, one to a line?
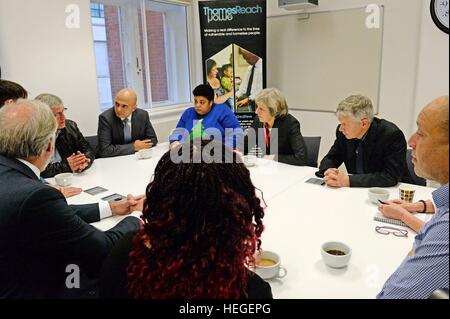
{"x":300,"y":217}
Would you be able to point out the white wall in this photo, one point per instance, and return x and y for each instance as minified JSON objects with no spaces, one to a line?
{"x":433,"y":74}
{"x":39,"y":52}
{"x":399,"y":67}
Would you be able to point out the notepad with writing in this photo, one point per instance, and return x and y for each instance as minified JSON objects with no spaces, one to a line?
{"x":380,"y":218}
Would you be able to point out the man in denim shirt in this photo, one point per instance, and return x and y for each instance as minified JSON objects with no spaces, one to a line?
{"x":426,"y":268}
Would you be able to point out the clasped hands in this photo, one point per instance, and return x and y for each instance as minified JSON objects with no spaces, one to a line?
{"x":335,"y":178}
{"x":78,"y":162}
{"x":128,"y":205}
{"x":142,"y":145}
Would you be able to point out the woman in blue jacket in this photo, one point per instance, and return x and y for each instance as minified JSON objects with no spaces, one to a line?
{"x":207,"y":120}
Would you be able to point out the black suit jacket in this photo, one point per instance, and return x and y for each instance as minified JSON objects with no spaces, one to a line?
{"x":110,"y":133}
{"x":40,"y":235}
{"x":384,"y":153}
{"x":69,"y":141}
{"x":291,"y":145}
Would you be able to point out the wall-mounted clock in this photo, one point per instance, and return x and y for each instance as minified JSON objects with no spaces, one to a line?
{"x":439,"y":13}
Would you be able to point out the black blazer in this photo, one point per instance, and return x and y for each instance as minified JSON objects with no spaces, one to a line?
{"x":384,"y":153}
{"x":69,"y":141}
{"x":113,"y":278}
{"x":40,"y":235}
{"x":291,"y":145}
{"x":110,"y":133}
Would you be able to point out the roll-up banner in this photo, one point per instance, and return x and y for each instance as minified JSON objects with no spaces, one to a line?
{"x":234,"y":52}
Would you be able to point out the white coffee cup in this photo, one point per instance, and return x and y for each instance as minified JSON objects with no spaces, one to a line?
{"x":64,"y":179}
{"x":268,"y":265}
{"x":145,"y":153}
{"x":249,"y":160}
{"x":376,"y":194}
{"x":331,"y":257}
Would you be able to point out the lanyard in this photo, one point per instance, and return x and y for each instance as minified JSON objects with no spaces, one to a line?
{"x":267,"y":135}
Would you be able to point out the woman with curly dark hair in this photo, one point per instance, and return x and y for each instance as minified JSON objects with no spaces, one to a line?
{"x":202,"y":226}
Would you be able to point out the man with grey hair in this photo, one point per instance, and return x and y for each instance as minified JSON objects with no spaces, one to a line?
{"x":72,"y":152}
{"x":41,"y":237}
{"x":373,"y":150}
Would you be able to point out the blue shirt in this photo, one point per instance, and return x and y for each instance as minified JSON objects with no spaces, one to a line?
{"x":220,"y":118}
{"x":420,"y":275}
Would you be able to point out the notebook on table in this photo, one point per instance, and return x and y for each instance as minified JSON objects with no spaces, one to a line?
{"x":380,"y":218}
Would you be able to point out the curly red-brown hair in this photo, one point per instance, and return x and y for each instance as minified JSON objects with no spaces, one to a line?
{"x":202,"y":226}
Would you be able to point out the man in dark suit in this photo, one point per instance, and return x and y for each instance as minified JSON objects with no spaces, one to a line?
{"x":72,"y":152}
{"x":373,"y":150}
{"x":124,"y":129}
{"x":46,"y":246}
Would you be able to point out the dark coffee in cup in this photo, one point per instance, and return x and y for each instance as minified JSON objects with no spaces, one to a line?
{"x":336,"y":252}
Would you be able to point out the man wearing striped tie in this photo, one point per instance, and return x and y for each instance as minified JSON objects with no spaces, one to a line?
{"x":425,"y":269}
{"x":124,"y":129}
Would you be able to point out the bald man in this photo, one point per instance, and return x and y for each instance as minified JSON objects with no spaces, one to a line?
{"x":124,"y":129}
{"x":425,"y":269}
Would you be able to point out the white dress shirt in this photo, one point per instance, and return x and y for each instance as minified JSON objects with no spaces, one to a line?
{"x":257,"y":84}
{"x":104,"y":208}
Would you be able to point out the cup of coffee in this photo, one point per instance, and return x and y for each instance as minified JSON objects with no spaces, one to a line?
{"x":145,"y":153}
{"x":376,"y":194}
{"x":267,"y":265}
{"x":249,"y":160}
{"x":64,"y":179}
{"x":406,"y":192}
{"x":336,"y":254}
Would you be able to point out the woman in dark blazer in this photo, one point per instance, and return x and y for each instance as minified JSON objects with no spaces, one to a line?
{"x":273,"y":124}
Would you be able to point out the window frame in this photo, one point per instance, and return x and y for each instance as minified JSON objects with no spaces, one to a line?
{"x":132,"y":75}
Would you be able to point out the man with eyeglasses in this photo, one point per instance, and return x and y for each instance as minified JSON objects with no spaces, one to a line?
{"x":372,"y":149}
{"x":426,"y":268}
{"x":73,"y":154}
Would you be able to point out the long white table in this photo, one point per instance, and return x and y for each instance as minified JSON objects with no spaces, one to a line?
{"x":300,"y":217}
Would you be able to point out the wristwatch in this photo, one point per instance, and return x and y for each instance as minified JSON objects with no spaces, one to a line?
{"x":424,"y":206}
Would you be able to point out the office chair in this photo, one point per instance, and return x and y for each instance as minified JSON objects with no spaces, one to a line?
{"x":93,"y":142}
{"x":312,"y":148}
{"x":439,"y":294}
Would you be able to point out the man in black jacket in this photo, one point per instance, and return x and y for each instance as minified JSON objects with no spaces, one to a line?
{"x":373,"y":150}
{"x":72,"y":152}
{"x":124,"y":129}
{"x":11,"y":92}
{"x":46,"y":245}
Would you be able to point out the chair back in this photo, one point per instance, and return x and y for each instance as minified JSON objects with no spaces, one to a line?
{"x":312,"y":147}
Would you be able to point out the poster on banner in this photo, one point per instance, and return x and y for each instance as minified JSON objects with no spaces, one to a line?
{"x":233,"y":36}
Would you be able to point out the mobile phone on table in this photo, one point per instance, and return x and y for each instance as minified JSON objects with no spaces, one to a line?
{"x":95,"y":190}
{"x":316,"y":181}
{"x":114,"y":197}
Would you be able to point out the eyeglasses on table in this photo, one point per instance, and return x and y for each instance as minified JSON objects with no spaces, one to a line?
{"x":386,"y":230}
